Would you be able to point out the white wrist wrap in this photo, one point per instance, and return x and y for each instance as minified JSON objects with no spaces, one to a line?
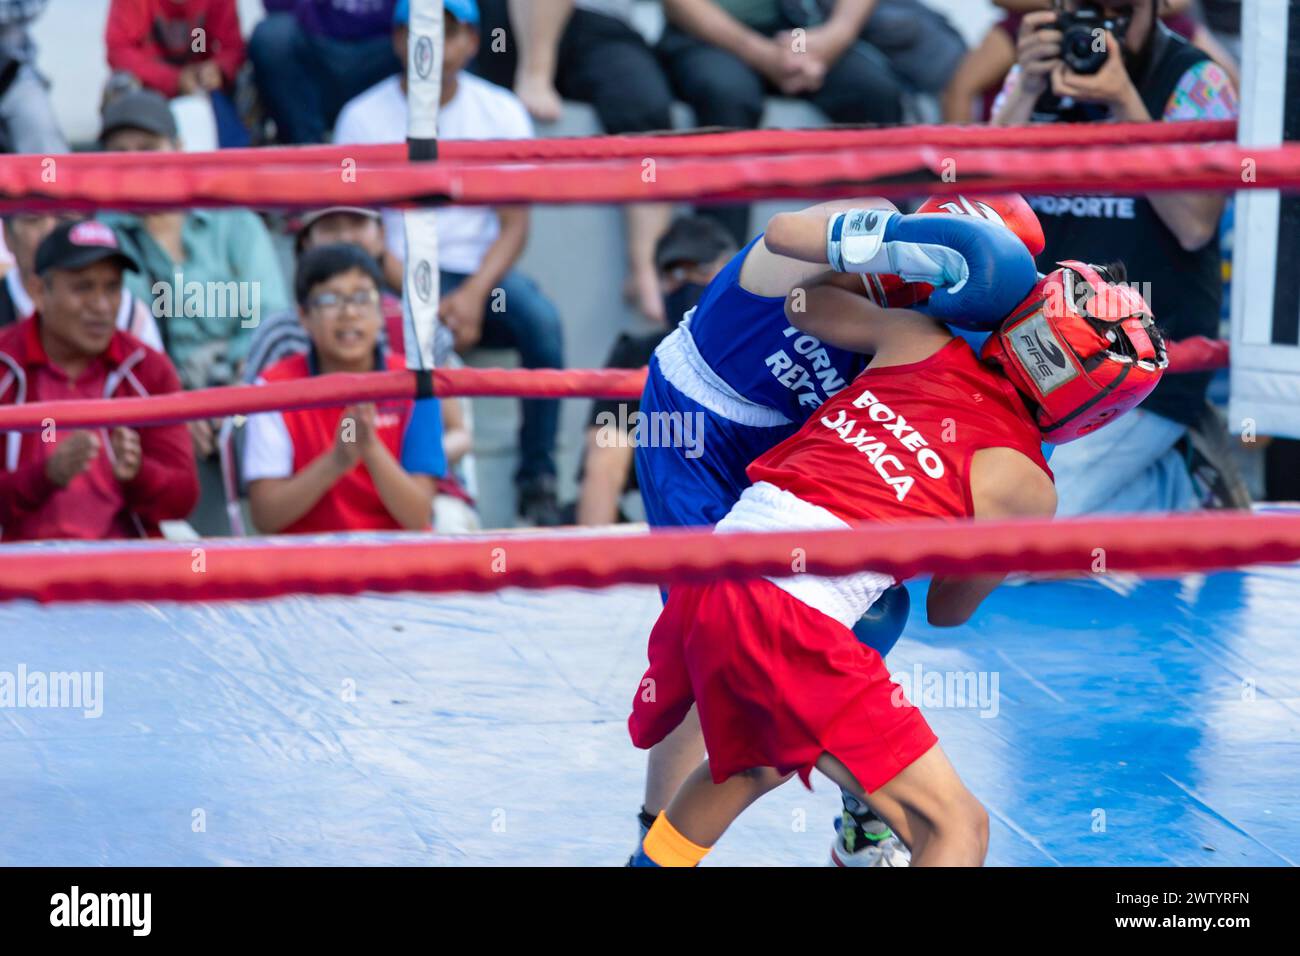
{"x":855,"y":241}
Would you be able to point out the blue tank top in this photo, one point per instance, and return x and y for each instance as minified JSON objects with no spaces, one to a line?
{"x":746,"y":339}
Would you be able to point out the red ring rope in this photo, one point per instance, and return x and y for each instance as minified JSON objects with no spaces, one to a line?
{"x":327,"y":390}
{"x":704,"y":143}
{"x":835,"y":163}
{"x":893,"y":172}
{"x":212,"y":571}
{"x":318,"y":392}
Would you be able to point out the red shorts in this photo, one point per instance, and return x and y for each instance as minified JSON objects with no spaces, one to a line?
{"x":777,"y":683}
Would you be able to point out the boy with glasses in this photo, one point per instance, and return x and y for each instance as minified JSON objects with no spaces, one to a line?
{"x":370,"y":466}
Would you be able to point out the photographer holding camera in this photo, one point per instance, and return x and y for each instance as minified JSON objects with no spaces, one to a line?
{"x":1114,"y":61}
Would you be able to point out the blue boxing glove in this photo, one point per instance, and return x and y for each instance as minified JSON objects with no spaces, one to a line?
{"x":981,"y":271}
{"x":882,"y":625}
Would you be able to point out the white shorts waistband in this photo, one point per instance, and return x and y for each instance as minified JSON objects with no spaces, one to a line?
{"x":765,"y":507}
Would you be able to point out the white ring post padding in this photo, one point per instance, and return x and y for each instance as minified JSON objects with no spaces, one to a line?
{"x":424,"y":95}
{"x":1265,"y":373}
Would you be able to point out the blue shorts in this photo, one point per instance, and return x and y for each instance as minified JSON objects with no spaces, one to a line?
{"x":695,"y":486}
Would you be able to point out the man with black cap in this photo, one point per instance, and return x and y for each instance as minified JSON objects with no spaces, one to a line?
{"x":23,"y":233}
{"x":68,"y":483}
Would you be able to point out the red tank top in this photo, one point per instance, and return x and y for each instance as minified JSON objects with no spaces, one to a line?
{"x":897,"y":442}
{"x":353,"y":504}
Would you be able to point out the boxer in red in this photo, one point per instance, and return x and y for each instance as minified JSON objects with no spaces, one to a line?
{"x":928,"y":430}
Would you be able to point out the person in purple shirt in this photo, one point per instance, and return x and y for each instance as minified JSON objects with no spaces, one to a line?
{"x":312,"y":56}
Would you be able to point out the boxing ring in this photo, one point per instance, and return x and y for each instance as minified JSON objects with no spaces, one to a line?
{"x":403,"y":700}
{"x":1110,"y":721}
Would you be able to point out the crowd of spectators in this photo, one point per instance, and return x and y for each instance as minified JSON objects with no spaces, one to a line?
{"x":106,"y":307}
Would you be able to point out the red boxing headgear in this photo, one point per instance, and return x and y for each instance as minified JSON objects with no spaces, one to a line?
{"x":1007,"y":209}
{"x":1081,"y":348}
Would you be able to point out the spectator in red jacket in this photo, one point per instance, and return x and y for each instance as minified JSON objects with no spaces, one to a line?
{"x":70,"y":483}
{"x":180,"y":48}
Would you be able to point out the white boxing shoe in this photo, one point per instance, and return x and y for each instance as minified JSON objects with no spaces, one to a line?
{"x":872,"y":844}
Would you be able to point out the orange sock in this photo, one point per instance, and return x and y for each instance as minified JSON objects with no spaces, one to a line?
{"x":666,"y":847}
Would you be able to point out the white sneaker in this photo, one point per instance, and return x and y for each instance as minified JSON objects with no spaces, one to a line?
{"x":875,"y":847}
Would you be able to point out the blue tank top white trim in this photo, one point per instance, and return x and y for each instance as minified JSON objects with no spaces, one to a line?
{"x":684,"y":368}
{"x":765,"y":507}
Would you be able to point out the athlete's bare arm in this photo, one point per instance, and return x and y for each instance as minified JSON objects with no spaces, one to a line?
{"x":850,"y":321}
{"x":802,"y":235}
{"x":1004,"y":484}
{"x":769,"y":273}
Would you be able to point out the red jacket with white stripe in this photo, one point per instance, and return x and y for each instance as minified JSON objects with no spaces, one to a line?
{"x":94,"y":505}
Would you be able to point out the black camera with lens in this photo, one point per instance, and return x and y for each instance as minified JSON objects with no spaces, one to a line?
{"x":1083,"y":42}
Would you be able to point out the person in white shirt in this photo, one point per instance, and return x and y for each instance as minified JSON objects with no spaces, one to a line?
{"x":484,"y":299}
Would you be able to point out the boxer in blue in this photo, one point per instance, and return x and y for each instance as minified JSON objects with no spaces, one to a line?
{"x":746,"y":380}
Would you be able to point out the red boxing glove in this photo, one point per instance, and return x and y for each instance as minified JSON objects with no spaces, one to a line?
{"x":891,"y":292}
{"x":1008,"y":209}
